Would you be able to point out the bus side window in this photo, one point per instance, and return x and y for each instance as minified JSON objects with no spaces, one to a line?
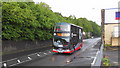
{"x":80,"y":35}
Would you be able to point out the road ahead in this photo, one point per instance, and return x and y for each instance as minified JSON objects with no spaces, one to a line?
{"x":82,"y":57}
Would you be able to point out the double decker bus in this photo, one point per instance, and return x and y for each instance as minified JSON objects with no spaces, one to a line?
{"x":67,"y":38}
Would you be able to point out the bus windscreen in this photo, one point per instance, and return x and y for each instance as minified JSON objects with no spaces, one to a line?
{"x":62,"y":28}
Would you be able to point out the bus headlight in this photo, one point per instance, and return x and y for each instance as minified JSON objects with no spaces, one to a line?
{"x":63,"y":34}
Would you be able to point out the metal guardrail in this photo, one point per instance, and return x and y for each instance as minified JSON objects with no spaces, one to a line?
{"x":98,"y":58}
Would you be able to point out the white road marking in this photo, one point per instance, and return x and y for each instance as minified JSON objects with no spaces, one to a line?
{"x":18,"y":61}
{"x":95,"y":58}
{"x":22,"y":61}
{"x":45,"y":53}
{"x":4,"y":64}
{"x":68,"y":61}
{"x":29,"y":58}
{"x":38,"y":55}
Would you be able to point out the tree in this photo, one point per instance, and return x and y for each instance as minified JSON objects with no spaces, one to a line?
{"x":30,"y":21}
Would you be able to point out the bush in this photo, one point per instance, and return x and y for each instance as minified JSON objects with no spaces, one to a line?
{"x":30,"y":21}
{"x":106,"y":61}
{"x":107,"y":45}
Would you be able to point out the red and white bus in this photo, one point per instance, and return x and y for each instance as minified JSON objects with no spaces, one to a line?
{"x":67,"y":38}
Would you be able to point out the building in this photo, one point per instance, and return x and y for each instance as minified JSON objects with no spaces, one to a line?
{"x":112,"y":34}
{"x":111,"y":26}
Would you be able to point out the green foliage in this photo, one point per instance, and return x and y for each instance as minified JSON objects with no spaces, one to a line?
{"x":0,"y":20}
{"x":88,"y":26}
{"x":106,"y":61}
{"x":107,"y":45}
{"x":30,"y":21}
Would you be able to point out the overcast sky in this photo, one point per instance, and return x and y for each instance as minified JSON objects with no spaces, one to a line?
{"x":90,"y":9}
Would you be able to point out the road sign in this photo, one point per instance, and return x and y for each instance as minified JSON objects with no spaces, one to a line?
{"x":112,"y":15}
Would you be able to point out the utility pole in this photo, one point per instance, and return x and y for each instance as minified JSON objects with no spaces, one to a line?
{"x":102,"y":24}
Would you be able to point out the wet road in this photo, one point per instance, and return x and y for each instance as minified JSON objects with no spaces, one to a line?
{"x":82,"y":57}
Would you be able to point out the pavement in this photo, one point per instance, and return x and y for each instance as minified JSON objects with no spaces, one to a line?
{"x":112,"y":53}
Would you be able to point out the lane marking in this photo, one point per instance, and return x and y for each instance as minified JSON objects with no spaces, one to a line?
{"x":68,"y":61}
{"x":38,"y":54}
{"x":29,"y":58}
{"x":18,"y":61}
{"x":45,"y":53}
{"x":95,"y":58}
{"x":4,"y":64}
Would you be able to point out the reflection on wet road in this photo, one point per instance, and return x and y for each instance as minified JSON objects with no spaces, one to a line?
{"x":81,"y":57}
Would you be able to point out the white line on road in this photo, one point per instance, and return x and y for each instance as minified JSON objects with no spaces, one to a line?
{"x":22,"y":61}
{"x":45,"y":53}
{"x":38,"y":54}
{"x":29,"y":58}
{"x":5,"y":65}
{"x":95,"y":58}
{"x":18,"y":61}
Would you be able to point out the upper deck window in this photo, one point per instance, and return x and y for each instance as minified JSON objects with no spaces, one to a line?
{"x":62,"y":27}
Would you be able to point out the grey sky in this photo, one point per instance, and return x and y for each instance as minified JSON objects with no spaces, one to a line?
{"x":90,"y":9}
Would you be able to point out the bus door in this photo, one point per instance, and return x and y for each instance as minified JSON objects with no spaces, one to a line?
{"x":74,"y":36}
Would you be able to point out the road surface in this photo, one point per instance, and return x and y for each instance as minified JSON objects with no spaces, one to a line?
{"x":82,"y":57}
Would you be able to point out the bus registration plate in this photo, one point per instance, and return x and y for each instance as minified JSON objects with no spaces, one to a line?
{"x":60,"y":45}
